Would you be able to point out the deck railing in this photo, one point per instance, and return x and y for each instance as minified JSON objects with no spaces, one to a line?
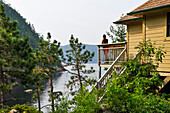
{"x":108,"y":74}
{"x":102,"y":82}
{"x":107,"y":53}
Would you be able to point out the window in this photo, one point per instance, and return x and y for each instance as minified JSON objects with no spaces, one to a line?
{"x":168,"y":24}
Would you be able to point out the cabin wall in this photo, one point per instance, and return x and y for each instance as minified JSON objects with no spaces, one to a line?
{"x":156,"y":32}
{"x":155,"y":29}
{"x":134,"y":37}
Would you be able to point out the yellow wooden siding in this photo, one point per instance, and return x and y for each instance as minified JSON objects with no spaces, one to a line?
{"x":135,"y":36}
{"x":155,"y":31}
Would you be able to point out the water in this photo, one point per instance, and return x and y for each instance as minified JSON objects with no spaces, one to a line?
{"x":59,"y":81}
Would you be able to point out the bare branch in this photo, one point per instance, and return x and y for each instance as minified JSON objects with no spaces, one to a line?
{"x":45,"y":106}
{"x":70,"y":71}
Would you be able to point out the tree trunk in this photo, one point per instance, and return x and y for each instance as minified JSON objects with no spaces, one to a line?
{"x":79,"y":77}
{"x":51,"y":95}
{"x":2,"y":102}
{"x":39,"y":104}
{"x":2,"y":99}
{"x":51,"y":85}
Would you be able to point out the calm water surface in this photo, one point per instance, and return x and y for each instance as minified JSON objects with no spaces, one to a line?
{"x":59,"y":81}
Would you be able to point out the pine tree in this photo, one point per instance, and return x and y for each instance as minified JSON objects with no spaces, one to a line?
{"x":117,"y":34}
{"x":16,"y":57}
{"x":48,"y":55}
{"x":77,"y":57}
{"x":39,"y":78}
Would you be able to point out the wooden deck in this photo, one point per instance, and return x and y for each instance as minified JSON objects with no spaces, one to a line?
{"x":108,"y":53}
{"x":111,"y":55}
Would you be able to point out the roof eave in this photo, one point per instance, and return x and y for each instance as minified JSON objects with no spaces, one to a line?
{"x":150,"y":9}
{"x":128,"y":20}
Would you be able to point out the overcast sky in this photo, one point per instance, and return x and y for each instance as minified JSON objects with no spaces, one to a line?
{"x":85,"y":19}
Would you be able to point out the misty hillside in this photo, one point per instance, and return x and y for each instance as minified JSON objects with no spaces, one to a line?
{"x":91,"y":48}
{"x":26,"y":29}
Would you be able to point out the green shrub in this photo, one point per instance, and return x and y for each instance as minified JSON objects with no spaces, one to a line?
{"x":20,"y":109}
{"x":62,"y":105}
{"x":85,"y":102}
{"x":120,"y":99}
{"x":136,"y":89}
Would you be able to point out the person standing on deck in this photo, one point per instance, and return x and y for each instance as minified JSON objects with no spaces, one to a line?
{"x":105,"y":49}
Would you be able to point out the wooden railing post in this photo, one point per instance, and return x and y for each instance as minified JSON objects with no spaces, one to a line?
{"x":99,"y":71}
{"x":99,"y":61}
{"x":114,"y":54}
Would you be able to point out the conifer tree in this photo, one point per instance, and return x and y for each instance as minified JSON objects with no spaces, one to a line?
{"x":77,"y":57}
{"x":40,"y":77}
{"x":16,"y":57}
{"x":117,"y":34}
{"x":48,"y":55}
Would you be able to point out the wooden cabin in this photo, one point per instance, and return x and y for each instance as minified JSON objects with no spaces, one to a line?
{"x":151,"y":21}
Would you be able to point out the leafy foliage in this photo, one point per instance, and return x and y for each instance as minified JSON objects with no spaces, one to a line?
{"x":16,"y":57}
{"x":135,"y":90}
{"x":86,"y":103}
{"x":25,"y":28}
{"x":117,"y":34}
{"x":62,"y":105}
{"x":48,"y":55}
{"x":39,"y":78}
{"x":20,"y":109}
{"x":77,"y":56}
{"x":119,"y":99}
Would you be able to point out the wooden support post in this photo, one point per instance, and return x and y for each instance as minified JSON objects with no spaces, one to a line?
{"x":99,"y":71}
{"x":144,"y":33}
{"x":99,"y":61}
